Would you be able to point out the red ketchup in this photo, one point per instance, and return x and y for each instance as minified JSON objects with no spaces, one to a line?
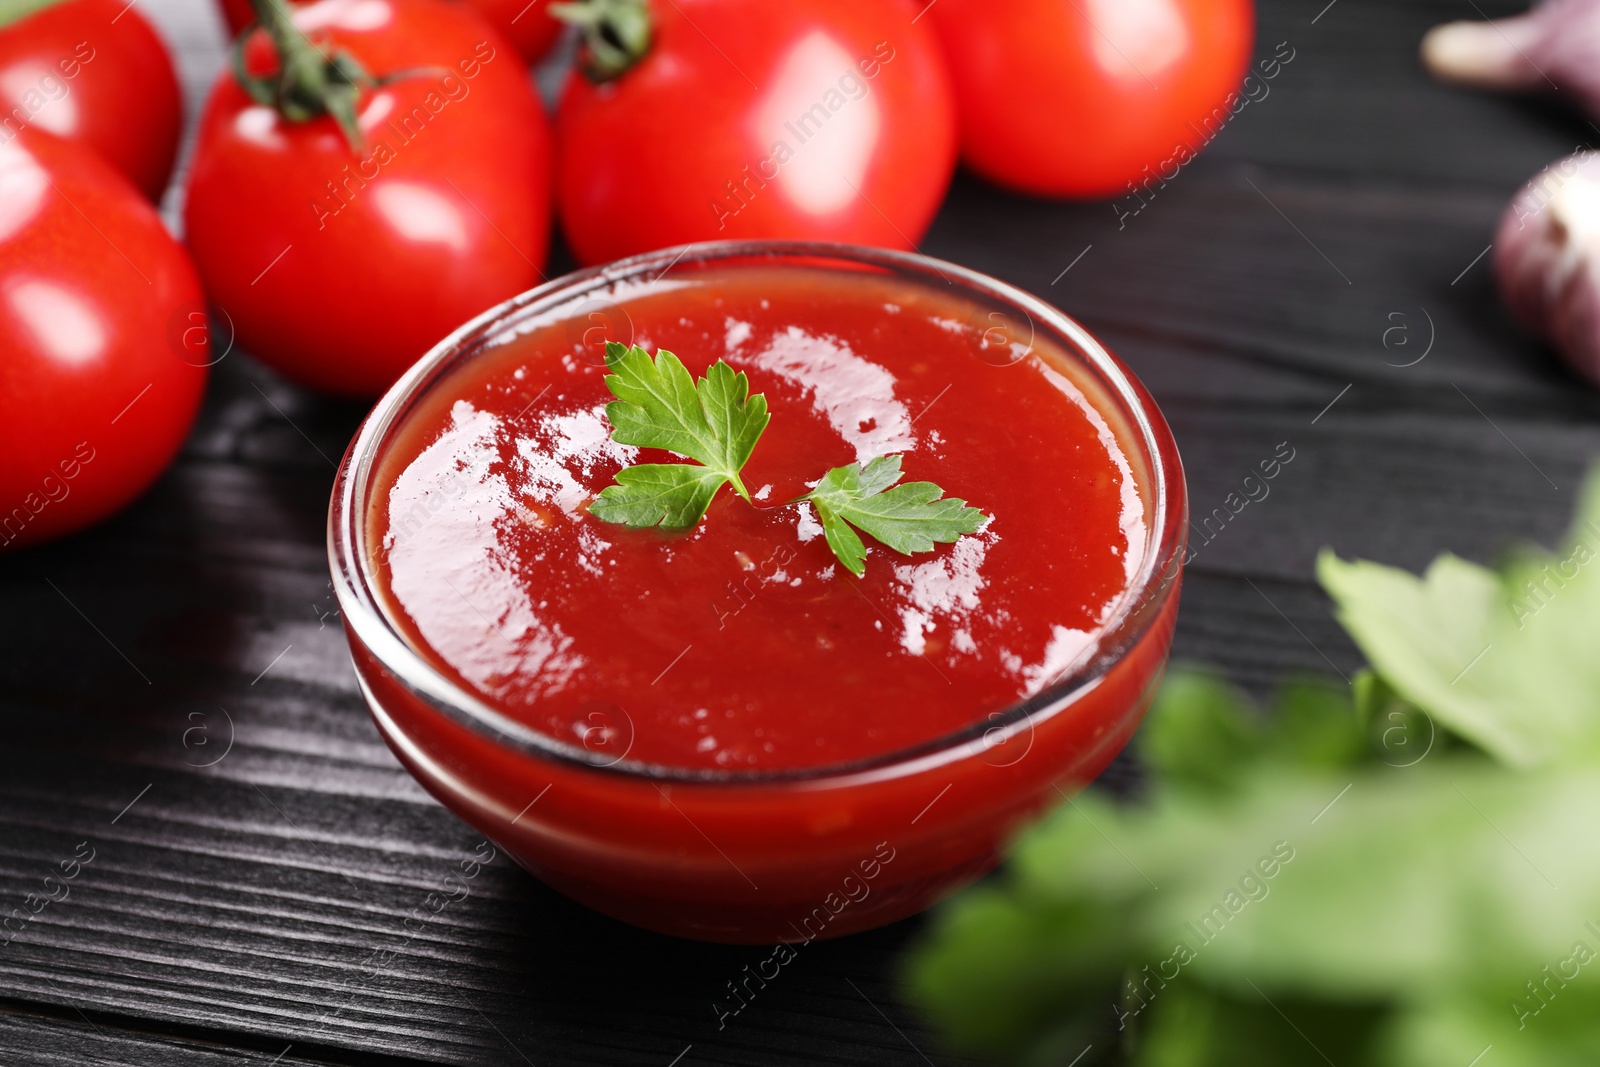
{"x":721,"y":732}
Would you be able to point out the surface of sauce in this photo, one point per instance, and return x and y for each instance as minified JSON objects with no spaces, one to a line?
{"x":743,"y":644}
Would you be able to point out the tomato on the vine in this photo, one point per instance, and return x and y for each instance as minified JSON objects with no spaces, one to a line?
{"x":340,"y":266}
{"x":1076,"y":98}
{"x":104,"y":332}
{"x":695,"y":120}
{"x":525,"y":23}
{"x":93,"y":71}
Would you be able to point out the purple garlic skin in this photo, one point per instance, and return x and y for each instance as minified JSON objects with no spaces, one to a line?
{"x":1547,"y":259}
{"x":1556,"y":45}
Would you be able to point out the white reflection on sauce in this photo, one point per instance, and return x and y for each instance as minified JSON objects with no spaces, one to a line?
{"x":807,"y":526}
{"x":560,"y":443}
{"x":947,"y":591}
{"x":1131,"y":521}
{"x":63,"y":325}
{"x":942,"y":590}
{"x":825,"y":112}
{"x":856,"y":395}
{"x":1067,"y":650}
{"x":447,"y":570}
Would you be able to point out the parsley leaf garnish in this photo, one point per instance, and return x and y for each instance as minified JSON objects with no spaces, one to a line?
{"x":1502,"y":658}
{"x":715,"y":422}
{"x":674,"y":495}
{"x":907,"y":518}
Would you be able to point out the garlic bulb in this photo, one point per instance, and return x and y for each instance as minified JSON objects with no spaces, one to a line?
{"x":1554,"y":45}
{"x":1547,"y":259}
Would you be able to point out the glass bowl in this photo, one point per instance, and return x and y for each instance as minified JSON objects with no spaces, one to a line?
{"x":768,"y":856}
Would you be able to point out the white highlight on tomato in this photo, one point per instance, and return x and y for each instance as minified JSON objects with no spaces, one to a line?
{"x":421,"y":214}
{"x":1137,"y":38}
{"x":349,"y":15}
{"x":64,"y":325}
{"x":23,"y":185}
{"x":39,"y":93}
{"x":259,"y":125}
{"x":826,"y":113}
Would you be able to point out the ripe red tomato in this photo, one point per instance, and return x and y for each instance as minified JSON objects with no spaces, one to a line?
{"x":340,"y":268}
{"x":1076,"y":97}
{"x":823,"y":119}
{"x":524,"y":23}
{"x":94,"y":71}
{"x":237,"y":14}
{"x":103,"y":329}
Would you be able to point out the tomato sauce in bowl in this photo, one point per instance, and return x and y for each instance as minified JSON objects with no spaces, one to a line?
{"x":721,"y":732}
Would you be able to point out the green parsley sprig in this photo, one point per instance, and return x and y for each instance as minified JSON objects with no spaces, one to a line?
{"x":716,"y":423}
{"x":907,"y":518}
{"x":1401,"y":872}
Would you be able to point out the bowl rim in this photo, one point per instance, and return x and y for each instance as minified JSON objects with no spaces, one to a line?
{"x":366,"y":620}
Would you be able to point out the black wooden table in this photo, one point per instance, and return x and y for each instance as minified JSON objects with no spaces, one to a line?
{"x":175,"y":691}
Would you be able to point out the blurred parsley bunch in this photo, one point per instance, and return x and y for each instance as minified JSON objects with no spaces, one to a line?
{"x":1405,"y":873}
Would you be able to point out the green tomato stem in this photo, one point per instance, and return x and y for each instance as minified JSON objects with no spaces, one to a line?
{"x":309,"y":83}
{"x":17,"y":10}
{"x":617,"y":34}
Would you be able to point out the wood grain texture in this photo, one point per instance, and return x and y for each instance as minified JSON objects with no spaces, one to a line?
{"x":232,"y":913}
